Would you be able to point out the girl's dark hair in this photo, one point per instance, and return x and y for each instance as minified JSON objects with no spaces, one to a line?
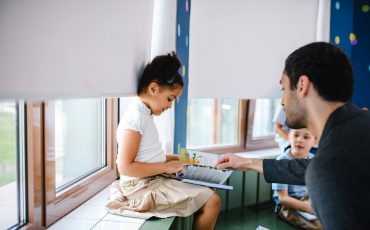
{"x":163,"y":70}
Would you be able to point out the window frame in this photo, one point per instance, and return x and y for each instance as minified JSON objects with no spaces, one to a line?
{"x":46,"y":206}
{"x":265,"y":142}
{"x":21,"y":180}
{"x":245,"y":141}
{"x":35,"y":169}
{"x":242,"y":104}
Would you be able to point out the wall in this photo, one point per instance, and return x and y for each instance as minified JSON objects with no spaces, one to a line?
{"x":350,"y":23}
{"x":249,"y":189}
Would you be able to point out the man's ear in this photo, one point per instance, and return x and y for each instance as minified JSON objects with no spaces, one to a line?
{"x":153,"y":88}
{"x":303,"y":85}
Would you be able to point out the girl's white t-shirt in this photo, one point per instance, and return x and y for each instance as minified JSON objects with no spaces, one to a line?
{"x":138,"y":117}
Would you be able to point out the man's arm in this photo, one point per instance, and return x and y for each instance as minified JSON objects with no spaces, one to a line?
{"x":285,"y":171}
{"x":232,"y":161}
{"x":275,"y":171}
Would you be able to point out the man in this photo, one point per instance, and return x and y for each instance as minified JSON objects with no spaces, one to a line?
{"x":317,"y":85}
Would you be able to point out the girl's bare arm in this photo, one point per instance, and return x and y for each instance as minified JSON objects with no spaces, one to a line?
{"x":128,"y":166}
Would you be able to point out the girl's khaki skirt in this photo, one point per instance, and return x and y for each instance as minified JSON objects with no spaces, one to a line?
{"x":156,"y":196}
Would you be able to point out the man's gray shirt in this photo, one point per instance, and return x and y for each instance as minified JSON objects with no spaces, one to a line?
{"x":338,"y":178}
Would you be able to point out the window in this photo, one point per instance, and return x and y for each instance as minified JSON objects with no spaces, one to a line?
{"x":260,"y":128}
{"x":71,"y":150}
{"x":215,"y":123}
{"x":77,"y":139}
{"x":12,"y":165}
{"x":230,"y":125}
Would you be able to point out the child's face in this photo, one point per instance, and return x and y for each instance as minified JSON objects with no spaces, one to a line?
{"x":301,"y":141}
{"x":164,"y":99}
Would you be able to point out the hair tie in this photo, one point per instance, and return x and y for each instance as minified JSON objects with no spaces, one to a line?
{"x":169,"y":81}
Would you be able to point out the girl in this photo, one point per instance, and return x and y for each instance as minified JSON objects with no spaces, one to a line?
{"x":294,"y":197}
{"x":141,"y":191}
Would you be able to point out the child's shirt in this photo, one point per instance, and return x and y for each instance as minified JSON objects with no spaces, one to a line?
{"x":296,"y":191}
{"x":280,"y":118}
{"x":138,"y":117}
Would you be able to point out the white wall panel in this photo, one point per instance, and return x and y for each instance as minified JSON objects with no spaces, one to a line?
{"x":238,"y":47}
{"x":73,"y":48}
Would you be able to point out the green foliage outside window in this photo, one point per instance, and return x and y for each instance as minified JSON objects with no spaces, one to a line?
{"x":7,"y":144}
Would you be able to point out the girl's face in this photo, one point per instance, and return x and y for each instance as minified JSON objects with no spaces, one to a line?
{"x":163,"y":98}
{"x":301,"y":141}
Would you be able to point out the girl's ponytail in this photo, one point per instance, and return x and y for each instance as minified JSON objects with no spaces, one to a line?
{"x":163,"y":70}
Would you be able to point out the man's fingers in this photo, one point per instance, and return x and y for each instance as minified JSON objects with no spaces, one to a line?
{"x":224,"y":158}
{"x":221,"y":160}
{"x":223,"y":165}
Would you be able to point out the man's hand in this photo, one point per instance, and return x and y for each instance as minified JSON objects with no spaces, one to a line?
{"x":232,"y":161}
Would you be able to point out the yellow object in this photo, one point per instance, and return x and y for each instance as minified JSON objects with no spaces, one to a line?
{"x":183,"y":71}
{"x":186,"y":158}
{"x":352,"y":37}
{"x":337,"y":40}
{"x":365,"y":8}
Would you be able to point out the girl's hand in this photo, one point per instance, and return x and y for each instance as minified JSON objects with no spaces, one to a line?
{"x":174,"y":167}
{"x":172,"y":157}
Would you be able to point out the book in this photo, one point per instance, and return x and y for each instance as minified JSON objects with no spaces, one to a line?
{"x":200,"y":170}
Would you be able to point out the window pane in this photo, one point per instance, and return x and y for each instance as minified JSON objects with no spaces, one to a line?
{"x":8,"y":165}
{"x":212,"y":122}
{"x":200,"y":122}
{"x":229,"y":122}
{"x":78,"y":139}
{"x":263,"y":115}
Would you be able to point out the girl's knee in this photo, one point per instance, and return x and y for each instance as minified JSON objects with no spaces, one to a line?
{"x":215,"y":202}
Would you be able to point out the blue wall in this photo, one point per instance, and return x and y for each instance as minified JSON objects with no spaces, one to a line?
{"x":182,"y":50}
{"x":350,"y":30}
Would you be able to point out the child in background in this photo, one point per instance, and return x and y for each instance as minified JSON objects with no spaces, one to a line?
{"x":141,"y":191}
{"x":281,"y":129}
{"x":288,"y":197}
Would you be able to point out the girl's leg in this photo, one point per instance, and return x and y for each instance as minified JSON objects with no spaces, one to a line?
{"x":206,"y":216}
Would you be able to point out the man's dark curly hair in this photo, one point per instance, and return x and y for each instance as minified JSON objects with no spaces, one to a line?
{"x":327,"y":67}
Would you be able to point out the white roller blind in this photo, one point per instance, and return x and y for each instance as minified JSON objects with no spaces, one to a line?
{"x":73,"y":48}
{"x":238,"y":47}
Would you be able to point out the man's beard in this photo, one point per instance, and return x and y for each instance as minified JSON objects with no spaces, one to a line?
{"x":296,"y":117}
{"x":296,"y":123}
